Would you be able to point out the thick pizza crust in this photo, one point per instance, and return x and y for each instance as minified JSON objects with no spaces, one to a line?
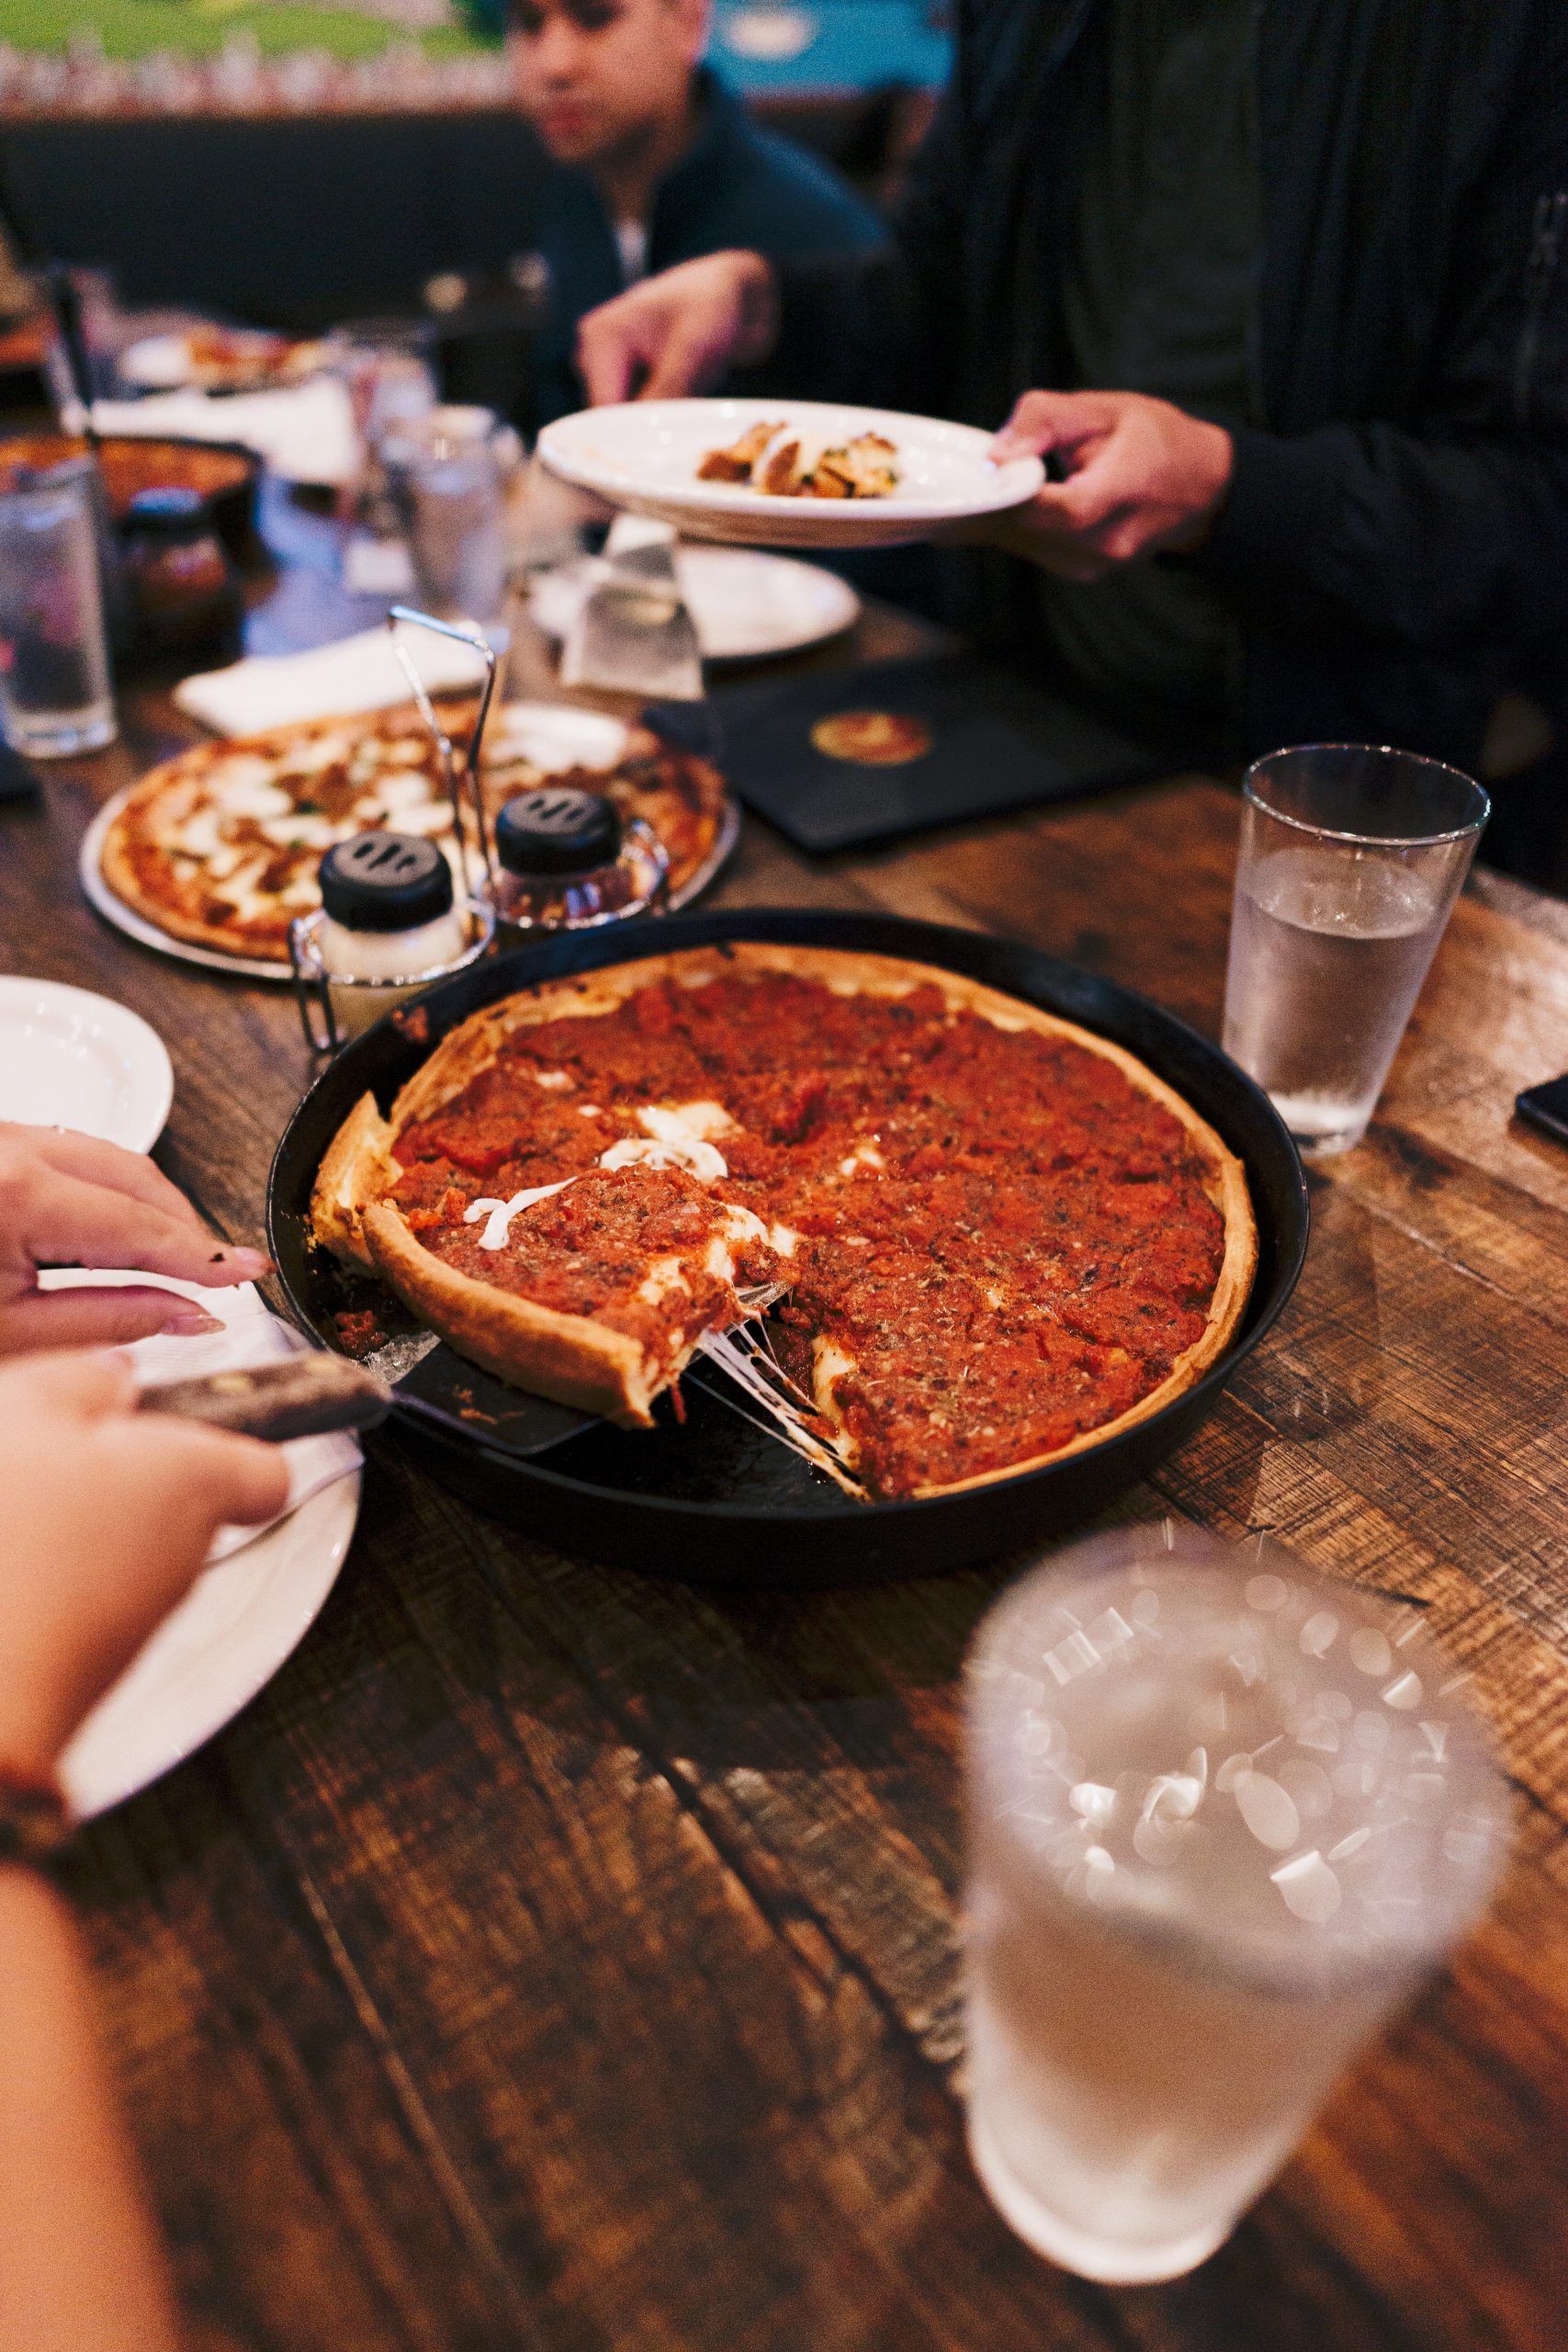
{"x":357,"y":1170}
{"x":519,"y":1346}
{"x":568,"y":1357}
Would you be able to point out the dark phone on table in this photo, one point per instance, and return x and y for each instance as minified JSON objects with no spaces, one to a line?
{"x":1546,"y":1107}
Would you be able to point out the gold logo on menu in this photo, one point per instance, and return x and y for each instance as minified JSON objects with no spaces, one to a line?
{"x":872,"y":738}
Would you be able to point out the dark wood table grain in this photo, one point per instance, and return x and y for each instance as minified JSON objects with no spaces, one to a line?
{"x":558,"y":1956}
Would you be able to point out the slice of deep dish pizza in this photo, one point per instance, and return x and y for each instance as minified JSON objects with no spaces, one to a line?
{"x":994,"y":1237}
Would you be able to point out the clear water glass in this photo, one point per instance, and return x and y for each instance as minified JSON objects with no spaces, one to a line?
{"x":386,"y":365}
{"x":449,"y":473}
{"x":1225,"y":1817}
{"x":55,"y":693}
{"x":388,"y":369}
{"x":1351,"y":858}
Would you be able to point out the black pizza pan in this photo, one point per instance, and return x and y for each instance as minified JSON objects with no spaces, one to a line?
{"x":717,"y":1499}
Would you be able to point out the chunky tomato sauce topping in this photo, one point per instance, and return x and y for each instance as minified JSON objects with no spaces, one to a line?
{"x":646,"y":1251}
{"x":1009,"y":1243}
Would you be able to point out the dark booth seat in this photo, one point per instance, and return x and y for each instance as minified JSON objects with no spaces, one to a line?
{"x":300,"y":222}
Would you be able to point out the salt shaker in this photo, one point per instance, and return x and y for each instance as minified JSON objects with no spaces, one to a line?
{"x":567,"y":862}
{"x":388,"y":924}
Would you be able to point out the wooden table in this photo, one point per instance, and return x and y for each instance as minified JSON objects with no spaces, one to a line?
{"x":555,"y":1957}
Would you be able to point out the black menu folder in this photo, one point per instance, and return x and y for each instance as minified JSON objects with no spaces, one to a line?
{"x":983,"y":740}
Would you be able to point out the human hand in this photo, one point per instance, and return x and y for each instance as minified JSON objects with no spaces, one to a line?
{"x":66,"y":1199}
{"x":679,"y":331}
{"x":1142,"y":475}
{"x":110,"y":1514}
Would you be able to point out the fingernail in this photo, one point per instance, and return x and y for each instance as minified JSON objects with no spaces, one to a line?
{"x":250,"y":1265}
{"x":192,"y":1323}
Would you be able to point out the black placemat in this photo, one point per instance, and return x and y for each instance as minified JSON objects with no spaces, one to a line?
{"x":990,"y":742}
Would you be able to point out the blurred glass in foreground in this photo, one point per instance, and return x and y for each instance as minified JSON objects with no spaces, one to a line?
{"x":1225,"y":1816}
{"x":1351,"y":858}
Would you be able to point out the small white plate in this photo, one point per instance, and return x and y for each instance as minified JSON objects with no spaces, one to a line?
{"x":644,"y":455}
{"x":746,"y":606}
{"x":69,"y":1058}
{"x":250,"y":1607}
{"x":556,"y":734}
{"x":235,"y":1627}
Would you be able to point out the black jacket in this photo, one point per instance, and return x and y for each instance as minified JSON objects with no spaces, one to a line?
{"x":1395,"y":539}
{"x":736,"y":185}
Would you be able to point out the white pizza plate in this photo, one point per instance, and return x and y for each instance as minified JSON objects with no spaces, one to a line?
{"x":244,"y":1616}
{"x":162,"y":363}
{"x":746,"y":606}
{"x":547,"y":733}
{"x":644,"y":455}
{"x":69,"y":1058}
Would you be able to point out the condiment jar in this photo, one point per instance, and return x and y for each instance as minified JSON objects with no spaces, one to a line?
{"x":388,"y":926}
{"x":176,"y":573}
{"x":567,"y":862}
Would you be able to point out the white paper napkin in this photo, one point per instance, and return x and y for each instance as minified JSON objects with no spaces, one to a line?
{"x":305,"y":433}
{"x":251,"y":1334}
{"x":358,"y":673}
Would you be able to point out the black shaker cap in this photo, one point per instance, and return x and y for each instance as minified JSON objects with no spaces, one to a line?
{"x":556,"y":830}
{"x":384,"y":882}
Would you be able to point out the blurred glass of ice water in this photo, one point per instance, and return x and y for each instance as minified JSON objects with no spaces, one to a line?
{"x":55,"y":695}
{"x":1351,"y":857}
{"x":450,"y":474}
{"x":1225,"y":1816}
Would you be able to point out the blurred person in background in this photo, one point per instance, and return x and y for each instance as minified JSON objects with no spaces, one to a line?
{"x":110,"y":1515}
{"x":1280,"y":293}
{"x":657,"y":163}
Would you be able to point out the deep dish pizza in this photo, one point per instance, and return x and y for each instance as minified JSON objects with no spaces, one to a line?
{"x":992,"y":1237}
{"x":220,"y":845}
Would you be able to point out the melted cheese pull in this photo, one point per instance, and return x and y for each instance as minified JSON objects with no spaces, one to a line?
{"x":828,"y":1365}
{"x":741,"y":1225}
{"x":665,"y":1276}
{"x":500,"y":1213}
{"x":678,"y":1136}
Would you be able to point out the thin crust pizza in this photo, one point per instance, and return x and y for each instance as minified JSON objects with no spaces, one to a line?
{"x":219,"y":845}
{"x":993,"y":1238}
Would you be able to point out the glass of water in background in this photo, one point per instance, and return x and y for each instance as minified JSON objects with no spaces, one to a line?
{"x":449,"y":473}
{"x":55,"y":694}
{"x":1351,"y":858}
{"x":1224,"y":1817}
{"x":387,"y":368}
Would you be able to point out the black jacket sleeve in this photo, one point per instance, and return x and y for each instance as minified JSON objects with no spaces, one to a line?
{"x":867,"y":327}
{"x":1449,"y":529}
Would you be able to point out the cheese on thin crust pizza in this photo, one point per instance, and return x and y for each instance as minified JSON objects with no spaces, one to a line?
{"x":997,"y":1237}
{"x":220,"y":845}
